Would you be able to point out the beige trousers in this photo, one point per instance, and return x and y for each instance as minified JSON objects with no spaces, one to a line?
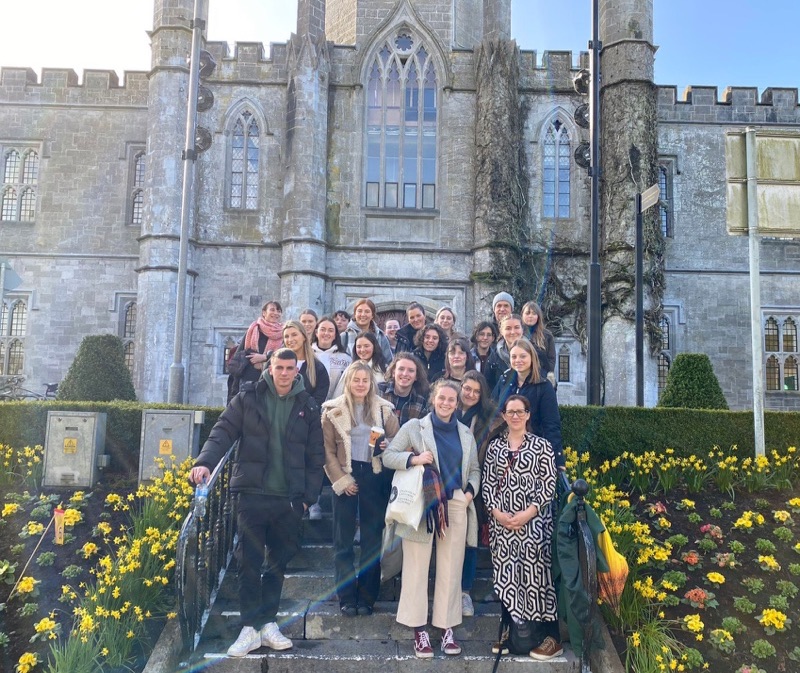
{"x":413,"y":607}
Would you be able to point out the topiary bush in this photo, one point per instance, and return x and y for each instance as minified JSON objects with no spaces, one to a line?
{"x":692,"y":384}
{"x":98,"y":372}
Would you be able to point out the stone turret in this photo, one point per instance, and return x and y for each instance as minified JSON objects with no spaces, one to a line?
{"x":159,"y":243}
{"x":303,"y":245}
{"x":629,"y":165}
{"x":497,"y":19}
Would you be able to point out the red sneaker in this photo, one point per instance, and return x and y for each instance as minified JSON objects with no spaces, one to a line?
{"x":449,"y":644}
{"x":422,"y":644}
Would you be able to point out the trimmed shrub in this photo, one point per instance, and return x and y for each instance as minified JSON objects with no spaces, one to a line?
{"x":692,"y":384}
{"x":98,"y":372}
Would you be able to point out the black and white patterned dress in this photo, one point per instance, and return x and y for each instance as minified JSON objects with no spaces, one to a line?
{"x":521,"y":560}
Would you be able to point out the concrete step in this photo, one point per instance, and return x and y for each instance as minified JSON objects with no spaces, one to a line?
{"x":386,"y":656}
{"x":318,"y":555}
{"x":324,"y":621}
{"x":319,"y":586}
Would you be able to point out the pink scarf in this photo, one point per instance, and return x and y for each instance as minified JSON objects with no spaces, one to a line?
{"x":272,"y":330}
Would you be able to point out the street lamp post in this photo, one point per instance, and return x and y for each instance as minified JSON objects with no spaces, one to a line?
{"x":594,"y":300}
{"x":177,"y":369}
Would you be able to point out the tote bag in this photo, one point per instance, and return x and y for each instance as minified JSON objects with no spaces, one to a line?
{"x":406,"y":500}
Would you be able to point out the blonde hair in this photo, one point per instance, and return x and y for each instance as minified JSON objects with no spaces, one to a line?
{"x":535,"y":376}
{"x":308,"y":351}
{"x":369,"y":400}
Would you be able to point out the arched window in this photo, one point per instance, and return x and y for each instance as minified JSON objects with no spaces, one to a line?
{"x":664,"y":326}
{"x":8,"y":210}
{"x":557,"y":166}
{"x":664,"y":364}
{"x":771,"y":341}
{"x":773,"y":373}
{"x":402,"y":114}
{"x":129,"y":333}
{"x":563,"y":364}
{"x":665,"y":196}
{"x":19,"y":319}
{"x":16,"y":357}
{"x":137,"y":190}
{"x":243,"y":177}
{"x":790,"y":374}
{"x":20,"y":173}
{"x":789,"y":336}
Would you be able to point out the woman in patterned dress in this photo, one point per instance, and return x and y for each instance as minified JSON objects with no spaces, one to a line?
{"x":518,"y":483}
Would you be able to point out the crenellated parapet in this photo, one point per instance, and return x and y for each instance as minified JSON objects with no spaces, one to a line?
{"x":738,"y":105}
{"x":249,"y":62}
{"x":60,"y":86}
{"x":553,"y":74}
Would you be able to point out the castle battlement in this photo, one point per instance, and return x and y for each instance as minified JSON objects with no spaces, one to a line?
{"x":249,"y":61}
{"x":553,"y":72}
{"x":738,"y":105}
{"x":62,"y":86}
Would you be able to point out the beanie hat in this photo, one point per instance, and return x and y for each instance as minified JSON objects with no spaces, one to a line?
{"x":503,"y":296}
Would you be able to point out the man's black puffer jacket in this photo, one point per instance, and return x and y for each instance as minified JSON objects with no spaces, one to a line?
{"x":245,"y":419}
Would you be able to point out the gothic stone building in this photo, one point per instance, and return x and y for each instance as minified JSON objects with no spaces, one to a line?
{"x":396,"y":149}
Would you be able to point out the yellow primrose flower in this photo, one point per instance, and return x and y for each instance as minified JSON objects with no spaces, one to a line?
{"x":715,"y":578}
{"x":89,"y":549}
{"x":27,"y":585}
{"x":71,"y":517}
{"x":10,"y":508}
{"x":26,"y":662}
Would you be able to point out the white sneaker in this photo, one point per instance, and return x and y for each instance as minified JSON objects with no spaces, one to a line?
{"x":315,"y":512}
{"x":467,"y":608}
{"x":272,"y":637}
{"x":248,"y":640}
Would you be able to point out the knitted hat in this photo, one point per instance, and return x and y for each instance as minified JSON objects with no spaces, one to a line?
{"x":503,"y":296}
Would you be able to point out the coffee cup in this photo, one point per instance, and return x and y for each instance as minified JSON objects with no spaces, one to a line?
{"x":375,"y":436}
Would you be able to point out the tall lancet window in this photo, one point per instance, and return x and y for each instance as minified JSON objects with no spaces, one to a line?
{"x":402,"y":115}
{"x":557,"y":163}
{"x":244,"y":163}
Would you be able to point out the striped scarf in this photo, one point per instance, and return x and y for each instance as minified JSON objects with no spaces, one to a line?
{"x":435,"y":514}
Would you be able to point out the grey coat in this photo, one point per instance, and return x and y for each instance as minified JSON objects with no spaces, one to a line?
{"x":417,"y":434}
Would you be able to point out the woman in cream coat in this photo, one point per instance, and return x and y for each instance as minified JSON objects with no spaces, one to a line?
{"x":357,"y":483}
{"x":437,"y":439}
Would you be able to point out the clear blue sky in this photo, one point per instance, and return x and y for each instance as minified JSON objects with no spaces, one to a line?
{"x":702,"y":42}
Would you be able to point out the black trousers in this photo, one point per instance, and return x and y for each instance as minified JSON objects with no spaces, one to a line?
{"x":359,"y":587}
{"x":271,"y":522}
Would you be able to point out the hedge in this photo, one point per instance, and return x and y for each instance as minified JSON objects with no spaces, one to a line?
{"x":25,"y":424}
{"x":605,"y":432}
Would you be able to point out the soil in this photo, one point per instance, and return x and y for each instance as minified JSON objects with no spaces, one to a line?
{"x":746,"y":566}
{"x":19,"y":628}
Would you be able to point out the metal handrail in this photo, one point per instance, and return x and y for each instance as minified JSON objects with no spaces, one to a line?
{"x":205,"y":547}
{"x":587,"y":557}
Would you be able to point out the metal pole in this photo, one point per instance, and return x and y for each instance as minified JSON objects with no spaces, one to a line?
{"x":177,"y":370}
{"x":639,"y":303}
{"x":594,"y":306}
{"x":755,"y":291}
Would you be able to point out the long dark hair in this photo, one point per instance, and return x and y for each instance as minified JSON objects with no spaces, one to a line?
{"x":419,"y":339}
{"x":420,"y":385}
{"x":337,"y":340}
{"x":486,"y":413}
{"x":377,"y":354}
{"x":463,"y":344}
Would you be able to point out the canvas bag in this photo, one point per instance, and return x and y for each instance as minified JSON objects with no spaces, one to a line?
{"x":406,"y":500}
{"x":391,"y":552}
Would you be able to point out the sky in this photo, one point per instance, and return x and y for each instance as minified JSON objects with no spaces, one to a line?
{"x":701,"y":42}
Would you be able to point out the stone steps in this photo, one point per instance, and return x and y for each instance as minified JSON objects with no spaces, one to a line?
{"x":389,"y":656}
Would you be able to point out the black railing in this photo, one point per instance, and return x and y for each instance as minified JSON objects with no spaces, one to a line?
{"x":205,"y":546}
{"x":587,"y":557}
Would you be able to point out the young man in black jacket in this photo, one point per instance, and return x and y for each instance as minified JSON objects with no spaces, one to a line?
{"x":277,"y":473}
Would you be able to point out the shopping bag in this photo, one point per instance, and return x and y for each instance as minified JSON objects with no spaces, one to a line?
{"x":391,"y":552}
{"x":406,"y":499}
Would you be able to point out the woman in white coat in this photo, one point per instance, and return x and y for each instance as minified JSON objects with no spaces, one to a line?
{"x":441,"y":441}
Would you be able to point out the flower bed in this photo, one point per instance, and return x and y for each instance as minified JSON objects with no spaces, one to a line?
{"x":714,"y":559}
{"x":97,"y":601}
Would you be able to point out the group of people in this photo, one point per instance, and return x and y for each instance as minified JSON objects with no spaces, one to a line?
{"x":307,"y":399}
